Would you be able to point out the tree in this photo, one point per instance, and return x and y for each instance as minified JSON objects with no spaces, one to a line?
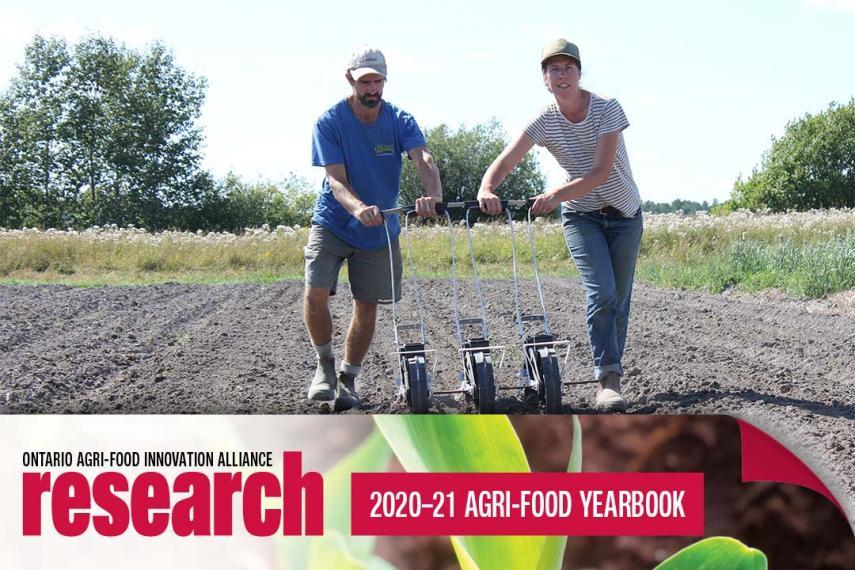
{"x":463,"y":156}
{"x":30,"y":140}
{"x":11,"y":187}
{"x":96,"y":87}
{"x":811,"y":166}
{"x":159,"y":156}
{"x":100,"y":134}
{"x":243,"y":205}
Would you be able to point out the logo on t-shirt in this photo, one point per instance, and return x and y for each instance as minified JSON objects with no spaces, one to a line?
{"x":384,"y":149}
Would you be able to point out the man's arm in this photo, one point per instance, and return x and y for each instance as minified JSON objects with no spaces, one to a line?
{"x":344,"y":194}
{"x":429,"y":175}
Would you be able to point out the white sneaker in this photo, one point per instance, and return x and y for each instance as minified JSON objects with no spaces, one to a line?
{"x":609,"y":398}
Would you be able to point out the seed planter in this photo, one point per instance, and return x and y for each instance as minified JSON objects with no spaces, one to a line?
{"x":540,"y":372}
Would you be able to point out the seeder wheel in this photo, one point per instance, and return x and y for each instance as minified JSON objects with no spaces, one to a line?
{"x":542,"y":365}
{"x":484,"y":383}
{"x":551,"y":380}
{"x":416,"y":378}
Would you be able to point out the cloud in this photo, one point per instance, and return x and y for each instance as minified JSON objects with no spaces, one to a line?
{"x":830,"y":5}
{"x":543,"y":32}
{"x":479,"y":56}
{"x":15,"y":34}
{"x":404,"y":62}
{"x":12,"y":28}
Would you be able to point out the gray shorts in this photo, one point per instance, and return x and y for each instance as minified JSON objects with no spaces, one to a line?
{"x":367,"y":269}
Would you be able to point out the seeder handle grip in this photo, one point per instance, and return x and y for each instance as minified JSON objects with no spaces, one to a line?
{"x":441,"y":207}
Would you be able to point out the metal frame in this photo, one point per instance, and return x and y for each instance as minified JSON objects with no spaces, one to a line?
{"x":526,"y":341}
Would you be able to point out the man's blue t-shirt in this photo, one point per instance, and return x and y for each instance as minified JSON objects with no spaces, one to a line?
{"x":371,"y":154}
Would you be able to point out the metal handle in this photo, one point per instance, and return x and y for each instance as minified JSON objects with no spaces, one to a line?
{"x":441,"y":207}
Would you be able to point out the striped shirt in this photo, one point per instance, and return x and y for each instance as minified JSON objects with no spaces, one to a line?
{"x":573,"y":145}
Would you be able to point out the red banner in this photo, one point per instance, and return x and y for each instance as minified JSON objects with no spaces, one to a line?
{"x":579,"y":504}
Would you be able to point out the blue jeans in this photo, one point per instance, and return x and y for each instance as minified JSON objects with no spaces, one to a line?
{"x":605,"y":247}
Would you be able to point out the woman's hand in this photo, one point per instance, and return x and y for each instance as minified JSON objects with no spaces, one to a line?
{"x":545,"y":204}
{"x":426,"y":206}
{"x":489,"y":203}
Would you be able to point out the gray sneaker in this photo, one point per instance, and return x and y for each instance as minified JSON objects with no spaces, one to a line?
{"x":609,"y":398}
{"x":323,"y":384}
{"x":347,"y":397}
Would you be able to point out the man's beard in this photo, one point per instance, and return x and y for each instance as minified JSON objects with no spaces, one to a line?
{"x":369,"y":101}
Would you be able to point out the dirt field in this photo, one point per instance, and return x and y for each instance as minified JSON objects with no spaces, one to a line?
{"x":785,"y":365}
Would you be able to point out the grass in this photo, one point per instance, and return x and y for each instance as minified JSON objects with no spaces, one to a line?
{"x":809,"y":254}
{"x":130,"y":278}
{"x":811,"y":270}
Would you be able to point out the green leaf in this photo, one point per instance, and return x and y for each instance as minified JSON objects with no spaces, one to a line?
{"x":332,"y":551}
{"x":553,"y":548}
{"x":337,"y":548}
{"x":469,"y":444}
{"x":575,"y":465}
{"x":373,"y":455}
{"x":715,"y":553}
{"x":454,"y":443}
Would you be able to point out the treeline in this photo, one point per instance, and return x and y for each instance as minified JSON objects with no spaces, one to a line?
{"x":96,"y":134}
{"x":685,"y":206}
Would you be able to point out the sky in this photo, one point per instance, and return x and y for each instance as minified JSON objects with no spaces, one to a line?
{"x":705,"y":85}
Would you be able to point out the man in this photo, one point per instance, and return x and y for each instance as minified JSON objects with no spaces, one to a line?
{"x":359,"y":142}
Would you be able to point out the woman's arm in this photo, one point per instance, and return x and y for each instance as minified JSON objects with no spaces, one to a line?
{"x":498,"y":170}
{"x":604,"y":157}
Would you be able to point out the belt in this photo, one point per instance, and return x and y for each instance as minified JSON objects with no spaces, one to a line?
{"x":610,"y":211}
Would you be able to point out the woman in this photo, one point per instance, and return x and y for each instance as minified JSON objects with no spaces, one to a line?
{"x":600,"y":203}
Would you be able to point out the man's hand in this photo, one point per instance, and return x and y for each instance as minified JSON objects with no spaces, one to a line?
{"x":370,"y":216}
{"x":426,"y":206}
{"x":490,"y":203}
{"x":545,"y":204}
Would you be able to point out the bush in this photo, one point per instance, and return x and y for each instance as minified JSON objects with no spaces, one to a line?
{"x":253,"y":205}
{"x":812,"y":166}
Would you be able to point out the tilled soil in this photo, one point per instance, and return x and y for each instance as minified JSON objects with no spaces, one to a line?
{"x":785,"y":365}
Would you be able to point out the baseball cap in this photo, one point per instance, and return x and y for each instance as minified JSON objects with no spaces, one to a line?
{"x":366,"y":60}
{"x":560,"y":46}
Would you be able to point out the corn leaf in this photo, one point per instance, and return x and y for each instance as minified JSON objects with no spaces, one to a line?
{"x":553,"y":548}
{"x":450,"y":443}
{"x":337,"y":548}
{"x":333,"y":551}
{"x":373,"y":455}
{"x":714,"y":553}
{"x":466,"y":444}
